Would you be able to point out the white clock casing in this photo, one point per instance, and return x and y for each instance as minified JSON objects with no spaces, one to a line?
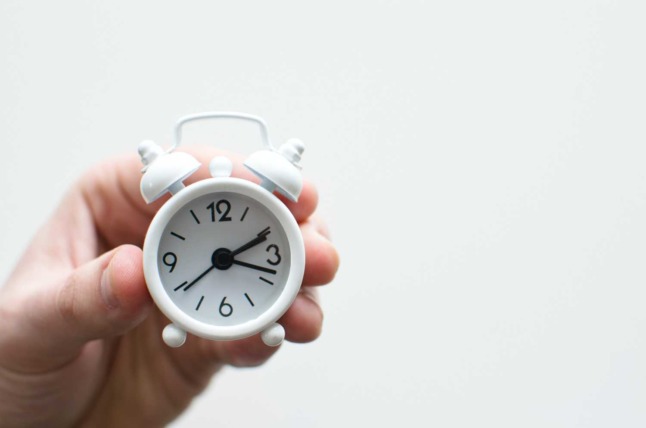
{"x":194,"y":247}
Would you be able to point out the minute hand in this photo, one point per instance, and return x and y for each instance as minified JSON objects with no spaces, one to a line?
{"x":202,"y":275}
{"x":262,"y":236}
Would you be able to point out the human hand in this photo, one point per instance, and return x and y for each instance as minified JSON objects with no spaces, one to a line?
{"x":80,"y":339}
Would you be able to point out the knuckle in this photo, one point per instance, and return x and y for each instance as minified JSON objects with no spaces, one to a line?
{"x":67,"y":300}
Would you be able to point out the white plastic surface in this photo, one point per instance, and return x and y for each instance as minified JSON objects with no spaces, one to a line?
{"x":190,"y":323}
{"x":174,"y":336}
{"x":222,"y":115}
{"x":279,"y":170}
{"x":273,"y":335}
{"x":163,"y":172}
{"x":220,"y":166}
{"x":292,"y":150}
{"x":149,"y":151}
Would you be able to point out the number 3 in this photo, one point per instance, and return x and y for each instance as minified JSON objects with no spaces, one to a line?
{"x":276,"y":253}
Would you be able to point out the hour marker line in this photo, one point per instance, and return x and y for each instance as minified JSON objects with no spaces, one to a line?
{"x":266,"y":280}
{"x":249,"y":299}
{"x":197,"y":308}
{"x":197,"y":220}
{"x":178,"y":236}
{"x":180,"y":286}
{"x":244,"y":214}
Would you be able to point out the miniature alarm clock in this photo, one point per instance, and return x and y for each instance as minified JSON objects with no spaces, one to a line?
{"x":223,"y":257}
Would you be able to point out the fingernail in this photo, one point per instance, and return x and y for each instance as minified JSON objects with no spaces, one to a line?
{"x":109,"y":298}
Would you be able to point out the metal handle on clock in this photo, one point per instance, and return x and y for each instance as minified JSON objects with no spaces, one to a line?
{"x":221,"y":115}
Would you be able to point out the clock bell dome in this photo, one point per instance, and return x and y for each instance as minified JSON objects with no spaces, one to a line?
{"x":279,"y":170}
{"x":163,"y":171}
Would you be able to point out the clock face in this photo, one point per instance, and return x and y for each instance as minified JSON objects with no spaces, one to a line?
{"x":223,"y":258}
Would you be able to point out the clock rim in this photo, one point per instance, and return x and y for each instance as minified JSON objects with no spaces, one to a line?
{"x":151,"y":251}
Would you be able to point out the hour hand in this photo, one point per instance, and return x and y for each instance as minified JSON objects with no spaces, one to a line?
{"x":262,"y":236}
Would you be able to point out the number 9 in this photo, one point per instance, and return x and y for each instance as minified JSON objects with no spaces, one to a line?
{"x":170,"y":263}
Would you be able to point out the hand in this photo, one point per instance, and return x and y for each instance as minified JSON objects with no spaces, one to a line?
{"x":80,"y":340}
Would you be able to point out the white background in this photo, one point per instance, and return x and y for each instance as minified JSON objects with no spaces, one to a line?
{"x":481,"y":165}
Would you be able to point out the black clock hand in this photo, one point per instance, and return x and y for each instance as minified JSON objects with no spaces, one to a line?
{"x":223,"y":258}
{"x":262,"y":236}
{"x":249,"y":265}
{"x":202,"y":275}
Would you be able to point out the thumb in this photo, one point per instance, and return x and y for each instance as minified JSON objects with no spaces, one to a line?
{"x":105,"y":297}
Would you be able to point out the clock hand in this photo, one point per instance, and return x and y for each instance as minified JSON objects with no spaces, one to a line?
{"x":202,"y":275}
{"x":262,"y":236}
{"x":223,"y":258}
{"x":249,"y":265}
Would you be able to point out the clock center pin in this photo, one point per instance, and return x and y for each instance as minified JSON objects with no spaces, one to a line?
{"x":222,"y":259}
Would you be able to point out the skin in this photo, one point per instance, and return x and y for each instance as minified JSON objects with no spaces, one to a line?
{"x":80,"y":342}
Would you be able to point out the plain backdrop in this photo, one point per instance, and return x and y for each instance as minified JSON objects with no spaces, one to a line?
{"x":480,"y":164}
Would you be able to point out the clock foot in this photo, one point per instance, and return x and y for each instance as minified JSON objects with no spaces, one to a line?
{"x":174,"y":336}
{"x":273,"y":335}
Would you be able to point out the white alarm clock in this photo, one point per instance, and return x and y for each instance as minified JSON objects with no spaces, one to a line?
{"x":223,"y":257}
